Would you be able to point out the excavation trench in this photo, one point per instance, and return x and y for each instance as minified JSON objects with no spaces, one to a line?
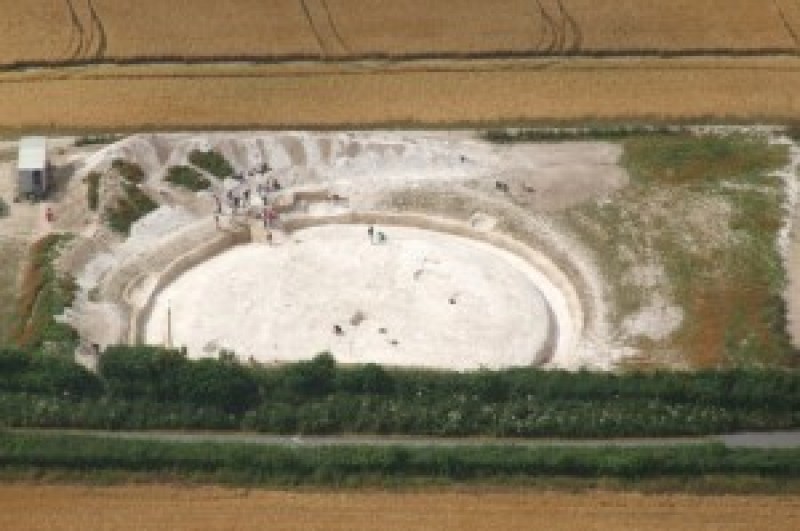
{"x":436,"y":294}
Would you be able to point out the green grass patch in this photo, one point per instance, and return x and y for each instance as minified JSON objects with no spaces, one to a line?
{"x":44,"y":294}
{"x":187,"y":177}
{"x":706,"y":159}
{"x":93,"y":190}
{"x":130,"y":171}
{"x":212,"y":162}
{"x":248,"y":464}
{"x":706,"y":212}
{"x":132,"y":206}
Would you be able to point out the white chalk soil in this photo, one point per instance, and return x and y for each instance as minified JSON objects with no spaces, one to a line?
{"x":421,"y":299}
{"x":282,"y":303}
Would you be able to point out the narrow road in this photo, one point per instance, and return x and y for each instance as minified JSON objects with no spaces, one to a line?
{"x":760,"y":440}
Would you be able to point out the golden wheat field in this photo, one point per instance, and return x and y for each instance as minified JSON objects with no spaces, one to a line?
{"x":41,"y":31}
{"x":167,"y":97}
{"x":171,"y":507}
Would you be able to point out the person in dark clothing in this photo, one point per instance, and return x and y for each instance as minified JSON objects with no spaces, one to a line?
{"x":371,"y":232}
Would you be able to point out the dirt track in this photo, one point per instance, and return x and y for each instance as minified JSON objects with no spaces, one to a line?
{"x":170,"y":507}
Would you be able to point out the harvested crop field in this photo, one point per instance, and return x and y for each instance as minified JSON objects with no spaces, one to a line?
{"x":92,"y":30}
{"x":455,"y":92}
{"x":172,"y":507}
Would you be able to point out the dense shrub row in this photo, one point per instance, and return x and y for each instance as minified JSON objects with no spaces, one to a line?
{"x":149,"y":387}
{"x":249,"y":464}
{"x":46,"y":374}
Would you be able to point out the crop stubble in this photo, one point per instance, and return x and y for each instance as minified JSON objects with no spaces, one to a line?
{"x":468,"y":92}
{"x":58,"y":31}
{"x":172,"y":507}
{"x":366,"y":93}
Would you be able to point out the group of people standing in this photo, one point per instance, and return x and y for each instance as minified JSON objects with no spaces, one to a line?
{"x":240,"y":199}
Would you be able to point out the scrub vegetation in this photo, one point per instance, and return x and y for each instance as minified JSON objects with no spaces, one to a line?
{"x":188,"y":178}
{"x":152,"y":388}
{"x":44,"y":293}
{"x":702,"y":215}
{"x":212,"y":162}
{"x":130,"y":206}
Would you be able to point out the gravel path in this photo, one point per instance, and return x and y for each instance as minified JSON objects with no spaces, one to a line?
{"x":765,"y":440}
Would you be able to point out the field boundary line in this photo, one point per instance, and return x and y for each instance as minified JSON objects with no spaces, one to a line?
{"x":266,"y":59}
{"x":247,"y":70}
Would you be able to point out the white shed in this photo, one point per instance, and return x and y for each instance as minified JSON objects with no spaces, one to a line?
{"x":32,"y":168}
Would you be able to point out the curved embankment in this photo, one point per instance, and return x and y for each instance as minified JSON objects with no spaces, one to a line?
{"x":566,"y":314}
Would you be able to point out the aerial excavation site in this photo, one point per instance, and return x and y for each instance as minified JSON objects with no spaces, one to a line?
{"x":312,"y":264}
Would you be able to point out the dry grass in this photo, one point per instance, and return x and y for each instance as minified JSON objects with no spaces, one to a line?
{"x":697,"y":228}
{"x":172,"y":97}
{"x":173,"y":507}
{"x":64,"y":30}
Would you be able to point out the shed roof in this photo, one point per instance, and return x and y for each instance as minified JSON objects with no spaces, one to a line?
{"x":32,"y":153}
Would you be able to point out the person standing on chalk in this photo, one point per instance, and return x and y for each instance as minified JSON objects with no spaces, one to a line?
{"x":371,"y":233}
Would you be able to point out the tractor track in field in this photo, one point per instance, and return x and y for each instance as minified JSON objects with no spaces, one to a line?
{"x":333,"y":27}
{"x":559,"y":31}
{"x":100,"y":30}
{"x":313,"y":27}
{"x":88,"y":40}
{"x":551,"y":32}
{"x":570,"y":26}
{"x":786,"y":23}
{"x":76,"y":33}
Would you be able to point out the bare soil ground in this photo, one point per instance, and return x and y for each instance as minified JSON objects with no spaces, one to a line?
{"x":144,"y":507}
{"x":452,"y":92}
